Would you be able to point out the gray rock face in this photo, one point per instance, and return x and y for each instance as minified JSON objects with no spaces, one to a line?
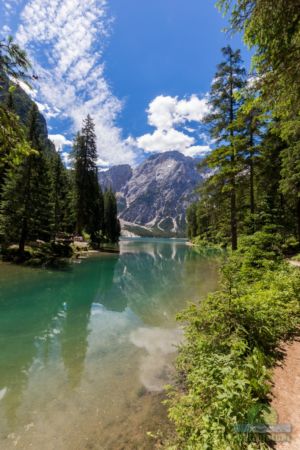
{"x":157,"y":194}
{"x":22,"y":105}
{"x":115,"y":178}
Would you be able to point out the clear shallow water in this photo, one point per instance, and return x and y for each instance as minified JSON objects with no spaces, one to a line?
{"x":85,"y":352}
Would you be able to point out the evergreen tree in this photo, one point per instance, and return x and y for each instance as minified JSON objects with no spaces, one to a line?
{"x":13,"y":143}
{"x":13,"y":60}
{"x":89,"y":198}
{"x":271,"y":204}
{"x":112,"y":229}
{"x":224,"y":103}
{"x":290,"y":181}
{"x":191,"y":216}
{"x":250,"y":124}
{"x":26,"y":206}
{"x":272,"y":29}
{"x":64,"y":218}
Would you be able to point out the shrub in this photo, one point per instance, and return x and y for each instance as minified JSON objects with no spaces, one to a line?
{"x":232,"y":342}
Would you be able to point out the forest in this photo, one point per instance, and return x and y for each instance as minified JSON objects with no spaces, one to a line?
{"x":43,"y":203}
{"x":248,"y":215}
{"x":250,"y":206}
{"x":254,"y":126}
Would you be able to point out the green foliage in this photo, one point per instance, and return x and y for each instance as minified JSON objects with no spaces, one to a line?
{"x":232,"y":341}
{"x":272,"y":29}
{"x":63,"y":196}
{"x":296,"y":257}
{"x":111,"y":228}
{"x":89,"y":198}
{"x":191,"y":216}
{"x":233,"y":338}
{"x":13,"y":60}
{"x":40,"y":199}
{"x":38,"y":254}
{"x":224,"y":103}
{"x":13,"y":144}
{"x":26,"y":206}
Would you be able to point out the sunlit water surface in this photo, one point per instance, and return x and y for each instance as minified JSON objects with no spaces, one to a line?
{"x":85,"y":352}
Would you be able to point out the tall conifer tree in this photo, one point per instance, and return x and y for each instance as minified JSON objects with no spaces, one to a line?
{"x":26,"y":206}
{"x":111,"y":222}
{"x":89,"y":198}
{"x":224,"y":103}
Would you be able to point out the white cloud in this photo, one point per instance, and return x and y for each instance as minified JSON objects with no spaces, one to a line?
{"x":165,"y":113}
{"x":165,"y":140}
{"x":64,"y":39}
{"x":5,"y":30}
{"x":28,"y":89}
{"x":162,"y":111}
{"x":193,"y":109}
{"x":103,"y":165}
{"x":59,"y":141}
{"x":197,"y":150}
{"x":66,"y":158}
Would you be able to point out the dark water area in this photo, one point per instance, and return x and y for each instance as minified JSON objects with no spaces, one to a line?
{"x":85,"y":352}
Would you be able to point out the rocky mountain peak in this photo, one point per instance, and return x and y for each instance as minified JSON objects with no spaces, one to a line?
{"x":153,"y":200}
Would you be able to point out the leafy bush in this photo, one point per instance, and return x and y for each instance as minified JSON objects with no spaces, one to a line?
{"x":232,"y":342}
{"x":291,"y":246}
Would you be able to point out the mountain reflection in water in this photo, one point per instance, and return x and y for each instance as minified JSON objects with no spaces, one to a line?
{"x":81,"y":348}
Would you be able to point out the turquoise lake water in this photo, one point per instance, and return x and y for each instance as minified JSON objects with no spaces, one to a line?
{"x":85,"y":351}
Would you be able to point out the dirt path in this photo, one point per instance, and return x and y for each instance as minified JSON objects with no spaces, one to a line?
{"x":287,"y":395}
{"x":294,"y":263}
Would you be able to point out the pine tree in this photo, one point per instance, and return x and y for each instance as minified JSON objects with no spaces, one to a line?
{"x":272,"y":29}
{"x":13,"y":143}
{"x":64,"y":219}
{"x":191,"y":217}
{"x":224,"y":103}
{"x":89,"y":198}
{"x":112,"y":229}
{"x":26,"y":205}
{"x":13,"y":60}
{"x":250,"y":123}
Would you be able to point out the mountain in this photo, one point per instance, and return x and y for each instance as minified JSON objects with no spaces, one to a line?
{"x":115,"y":178}
{"x":154,"y":199}
{"x":22,"y":104}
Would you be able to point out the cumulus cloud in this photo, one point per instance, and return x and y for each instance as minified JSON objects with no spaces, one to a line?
{"x":59,"y":141}
{"x":5,"y":30}
{"x":164,"y":140}
{"x":66,"y":158}
{"x":167,"y":113}
{"x":164,"y":111}
{"x":65,"y":39}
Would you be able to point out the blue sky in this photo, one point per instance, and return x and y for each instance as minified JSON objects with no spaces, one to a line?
{"x":142,"y":69}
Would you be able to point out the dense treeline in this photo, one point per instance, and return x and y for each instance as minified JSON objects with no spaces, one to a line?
{"x":254,"y":122}
{"x":251,"y":200}
{"x":40,"y":198}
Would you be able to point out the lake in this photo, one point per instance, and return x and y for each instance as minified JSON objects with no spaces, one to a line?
{"x":86,"y":351}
